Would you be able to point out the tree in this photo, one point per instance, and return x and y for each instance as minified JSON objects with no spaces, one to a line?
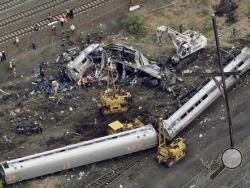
{"x":133,"y":24}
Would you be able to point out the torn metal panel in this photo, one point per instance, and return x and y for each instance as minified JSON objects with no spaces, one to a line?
{"x":134,"y":59}
{"x":76,"y":68}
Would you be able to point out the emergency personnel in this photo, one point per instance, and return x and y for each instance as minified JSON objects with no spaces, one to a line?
{"x":88,"y":38}
{"x":53,"y":29}
{"x":67,"y":13}
{"x":33,"y":45}
{"x":71,"y":13}
{"x":1,"y":57}
{"x":49,"y":17}
{"x":54,"y":86}
{"x":14,"y":71}
{"x":62,"y":21}
{"x":4,"y":56}
{"x":41,"y":70}
{"x":17,"y":41}
{"x":12,"y":63}
{"x":36,"y":27}
{"x":90,"y":79}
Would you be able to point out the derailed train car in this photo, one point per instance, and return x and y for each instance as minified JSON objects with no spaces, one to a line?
{"x":206,"y":96}
{"x":78,"y":154}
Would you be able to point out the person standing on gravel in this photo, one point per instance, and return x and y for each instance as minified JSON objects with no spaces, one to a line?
{"x":1,"y":56}
{"x":88,"y":40}
{"x":68,"y":13}
{"x":53,"y":29}
{"x":33,"y":45}
{"x":41,"y":70}
{"x":4,"y":56}
{"x":71,"y":13}
{"x":14,"y":71}
{"x":12,"y":67}
{"x":62,"y":21}
{"x":17,"y":41}
{"x":49,"y":17}
{"x":12,"y":63}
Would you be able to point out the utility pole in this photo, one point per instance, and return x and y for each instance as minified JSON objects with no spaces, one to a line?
{"x":231,"y":158}
{"x":223,"y":77}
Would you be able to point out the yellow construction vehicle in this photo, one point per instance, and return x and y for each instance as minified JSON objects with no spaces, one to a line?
{"x":171,"y":153}
{"x":117,"y":126}
{"x":113,"y":100}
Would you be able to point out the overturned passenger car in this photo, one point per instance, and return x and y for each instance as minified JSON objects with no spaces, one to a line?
{"x":76,"y":68}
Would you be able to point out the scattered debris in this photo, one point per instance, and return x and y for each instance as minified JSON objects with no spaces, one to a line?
{"x":29,"y":129}
{"x":133,"y":8}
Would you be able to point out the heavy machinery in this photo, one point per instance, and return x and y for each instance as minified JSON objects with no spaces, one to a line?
{"x":206,"y":95}
{"x":117,"y":126}
{"x":170,"y":154}
{"x":113,"y":100}
{"x":188,"y":43}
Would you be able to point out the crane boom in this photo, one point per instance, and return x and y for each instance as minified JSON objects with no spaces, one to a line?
{"x":186,"y":43}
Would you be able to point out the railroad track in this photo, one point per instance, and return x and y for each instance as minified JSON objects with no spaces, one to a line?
{"x":87,"y":6}
{"x":8,"y":4}
{"x":30,"y":12}
{"x":115,"y":173}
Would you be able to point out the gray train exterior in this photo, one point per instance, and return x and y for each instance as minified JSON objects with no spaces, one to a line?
{"x":207,"y":95}
{"x":79,"y":154}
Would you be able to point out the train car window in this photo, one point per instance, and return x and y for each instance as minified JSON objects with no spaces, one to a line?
{"x":204,"y":97}
{"x":5,"y":165}
{"x":190,"y":109}
{"x":197,"y":103}
{"x":241,"y":63}
{"x":74,"y":69}
{"x":184,"y":115}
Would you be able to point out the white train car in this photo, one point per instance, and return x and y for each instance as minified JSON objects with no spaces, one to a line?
{"x":79,"y":154}
{"x":76,"y":68}
{"x":207,"y":95}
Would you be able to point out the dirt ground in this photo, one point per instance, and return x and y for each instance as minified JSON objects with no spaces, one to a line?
{"x":77,"y":118}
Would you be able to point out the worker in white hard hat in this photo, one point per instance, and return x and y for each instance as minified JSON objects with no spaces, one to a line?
{"x":12,"y":63}
{"x":17,"y":41}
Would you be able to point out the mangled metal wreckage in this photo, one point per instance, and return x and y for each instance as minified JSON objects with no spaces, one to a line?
{"x":122,"y":56}
{"x":131,"y":57}
{"x":76,"y":68}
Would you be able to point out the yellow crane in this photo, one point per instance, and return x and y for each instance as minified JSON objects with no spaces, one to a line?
{"x":170,"y":154}
{"x":113,"y":100}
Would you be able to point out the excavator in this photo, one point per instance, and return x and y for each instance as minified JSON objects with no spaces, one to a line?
{"x":186,"y":44}
{"x":113,"y":100}
{"x":172,"y":153}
